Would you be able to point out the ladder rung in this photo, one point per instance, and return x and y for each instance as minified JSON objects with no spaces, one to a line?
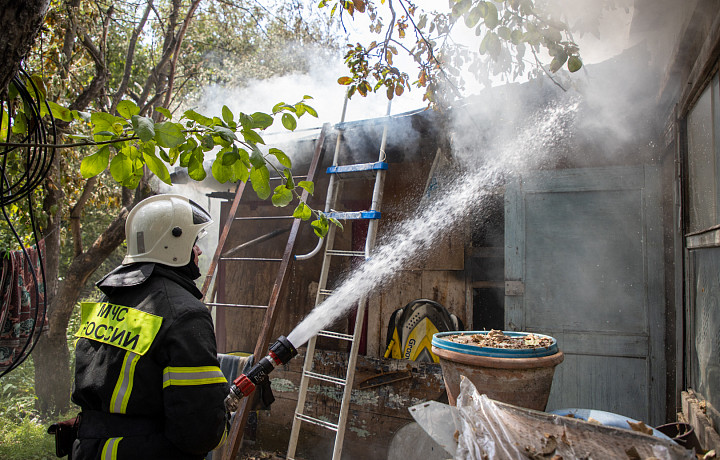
{"x":326,"y":292}
{"x":251,"y":259}
{"x":354,"y":215}
{"x":336,"y":335}
{"x":234,"y":305}
{"x":285,"y":178}
{"x":317,"y":421}
{"x":325,"y":378}
{"x":264,"y":217}
{"x":339,"y":252}
{"x":358,"y":169}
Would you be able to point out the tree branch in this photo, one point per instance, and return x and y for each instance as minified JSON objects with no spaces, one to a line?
{"x":176,"y":52}
{"x":129,"y":57}
{"x":70,"y":37}
{"x":76,"y":214}
{"x":102,"y":74}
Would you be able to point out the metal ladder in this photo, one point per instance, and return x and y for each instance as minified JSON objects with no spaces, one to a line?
{"x":338,"y":172}
{"x":240,"y":420}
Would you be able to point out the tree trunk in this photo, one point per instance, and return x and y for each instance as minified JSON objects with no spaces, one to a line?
{"x":52,"y":374}
{"x":20,"y":22}
{"x":51,"y":355}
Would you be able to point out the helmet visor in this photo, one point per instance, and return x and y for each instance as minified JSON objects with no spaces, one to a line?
{"x":203,"y":233}
{"x":200,"y":215}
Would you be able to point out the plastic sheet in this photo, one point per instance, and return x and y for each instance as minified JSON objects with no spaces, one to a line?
{"x":489,"y":429}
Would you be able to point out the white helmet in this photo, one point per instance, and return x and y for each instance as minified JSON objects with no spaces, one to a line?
{"x":163,"y":229}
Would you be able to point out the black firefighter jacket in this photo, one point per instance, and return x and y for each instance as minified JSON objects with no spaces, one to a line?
{"x":147,"y":376}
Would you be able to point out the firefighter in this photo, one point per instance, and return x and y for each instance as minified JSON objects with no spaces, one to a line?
{"x":147,"y":375}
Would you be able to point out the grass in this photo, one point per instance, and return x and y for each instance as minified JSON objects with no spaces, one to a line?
{"x":23,"y":434}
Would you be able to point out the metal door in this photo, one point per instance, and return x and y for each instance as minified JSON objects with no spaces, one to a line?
{"x":583,"y":263}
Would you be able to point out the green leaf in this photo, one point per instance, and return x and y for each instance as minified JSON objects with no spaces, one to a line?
{"x":144,"y":127}
{"x":302,"y":211}
{"x":19,"y":124}
{"x":337,"y":223}
{"x":461,"y":8}
{"x":490,"y":44}
{"x":207,"y":142}
{"x":307,"y":185}
{"x":164,"y":111}
{"x":261,"y":120}
{"x":221,"y":172}
{"x":311,"y":111}
{"x":422,"y":22}
{"x":246,"y":121}
{"x":121,"y":168}
{"x":241,"y":171}
{"x":280,"y":106}
{"x":4,"y":123}
{"x":96,"y":163}
{"x":195,"y":167}
{"x":103,"y":136}
{"x":320,"y":226}
{"x":127,"y":109}
{"x":257,"y":159}
{"x":289,"y":122}
{"x":156,"y":165}
{"x":60,"y":112}
{"x":260,"y":178}
{"x":227,"y":114}
{"x":164,"y":155}
{"x":491,"y":18}
{"x":251,"y":136}
{"x":574,"y":64}
{"x":198,"y":118}
{"x":225,"y":133}
{"x":289,"y":182}
{"x":131,"y":151}
{"x":558,"y":62}
{"x":173,"y":154}
{"x":282,"y":196}
{"x":229,"y":156}
{"x":245,"y":158}
{"x":282,"y":158}
{"x":104,"y":121}
{"x":472,"y":17}
{"x":169,"y":134}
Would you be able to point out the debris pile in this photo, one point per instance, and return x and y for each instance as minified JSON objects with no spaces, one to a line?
{"x":497,"y":339}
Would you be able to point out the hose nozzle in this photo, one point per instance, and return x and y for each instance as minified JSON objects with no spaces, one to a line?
{"x":280,"y":352}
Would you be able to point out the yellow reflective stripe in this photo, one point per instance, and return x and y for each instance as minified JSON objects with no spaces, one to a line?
{"x":224,"y":438}
{"x":110,"y":449}
{"x":124,"y":385}
{"x":199,"y":375}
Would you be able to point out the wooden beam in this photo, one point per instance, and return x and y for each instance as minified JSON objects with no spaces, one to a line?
{"x":703,"y":70}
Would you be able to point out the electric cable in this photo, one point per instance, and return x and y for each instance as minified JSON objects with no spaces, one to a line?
{"x":38,"y":160}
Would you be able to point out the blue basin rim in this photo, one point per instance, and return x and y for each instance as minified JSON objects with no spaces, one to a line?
{"x":440,"y":341}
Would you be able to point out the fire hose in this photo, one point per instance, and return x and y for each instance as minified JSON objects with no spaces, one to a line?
{"x":280,"y":352}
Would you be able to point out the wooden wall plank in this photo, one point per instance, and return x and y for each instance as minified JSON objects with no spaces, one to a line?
{"x":446,"y":288}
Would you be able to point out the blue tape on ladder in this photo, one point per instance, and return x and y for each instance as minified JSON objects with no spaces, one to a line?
{"x":357,"y":215}
{"x":362,"y":167}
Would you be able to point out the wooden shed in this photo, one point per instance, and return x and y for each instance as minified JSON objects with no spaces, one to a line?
{"x":609,"y":243}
